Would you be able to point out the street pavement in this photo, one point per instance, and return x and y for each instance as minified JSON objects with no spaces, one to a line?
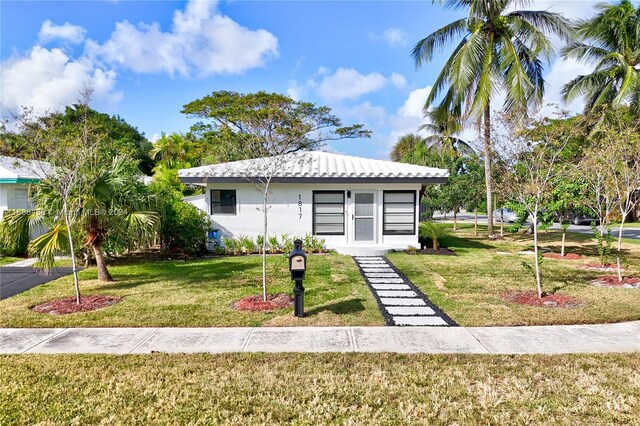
{"x":632,"y":233}
{"x":555,"y":339}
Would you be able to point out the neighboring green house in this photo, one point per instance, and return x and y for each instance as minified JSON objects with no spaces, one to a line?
{"x":15,"y":177}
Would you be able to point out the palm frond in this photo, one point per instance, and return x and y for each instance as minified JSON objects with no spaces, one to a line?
{"x":424,"y":49}
{"x":546,"y":21}
{"x":48,"y":245}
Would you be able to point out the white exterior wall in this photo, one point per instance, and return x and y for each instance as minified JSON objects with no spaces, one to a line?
{"x":13,"y":196}
{"x":286,"y":216}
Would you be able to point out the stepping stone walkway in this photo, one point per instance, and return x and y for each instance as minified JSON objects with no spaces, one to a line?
{"x":399,"y":300}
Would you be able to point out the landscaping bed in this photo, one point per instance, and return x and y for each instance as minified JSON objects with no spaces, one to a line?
{"x":442,"y":251}
{"x":68,"y":305}
{"x":613,"y":281}
{"x":256,"y":302}
{"x":358,"y":389}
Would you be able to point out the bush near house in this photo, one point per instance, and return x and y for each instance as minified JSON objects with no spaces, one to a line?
{"x":183,"y":227}
{"x":432,"y":233}
{"x":9,"y":245}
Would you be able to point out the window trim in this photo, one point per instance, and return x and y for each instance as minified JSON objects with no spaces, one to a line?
{"x":235,"y":204}
{"x":384,"y":215}
{"x":313,"y":212}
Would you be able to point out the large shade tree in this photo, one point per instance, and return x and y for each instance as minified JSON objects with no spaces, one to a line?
{"x":610,"y":41}
{"x":498,"y":52}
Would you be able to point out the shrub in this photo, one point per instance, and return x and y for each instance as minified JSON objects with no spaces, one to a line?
{"x":274,"y":245}
{"x":313,"y":244}
{"x":244,"y":244}
{"x":433,"y":231}
{"x":184,"y":227}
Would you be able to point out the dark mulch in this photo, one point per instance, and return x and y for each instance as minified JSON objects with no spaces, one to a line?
{"x":600,"y":267}
{"x":567,"y":256}
{"x":548,"y":300}
{"x":255,"y":302}
{"x":443,"y":251}
{"x":612,"y":281}
{"x":68,"y":305}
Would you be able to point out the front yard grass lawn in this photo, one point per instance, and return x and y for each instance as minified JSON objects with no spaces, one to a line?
{"x":199,"y":293}
{"x":469,"y":287}
{"x":368,"y":389}
{"x":5,"y":260}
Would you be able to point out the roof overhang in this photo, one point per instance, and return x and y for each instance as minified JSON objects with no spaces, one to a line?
{"x":312,"y":180}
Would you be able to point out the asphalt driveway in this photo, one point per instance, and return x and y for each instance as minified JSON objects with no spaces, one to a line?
{"x":14,"y":280}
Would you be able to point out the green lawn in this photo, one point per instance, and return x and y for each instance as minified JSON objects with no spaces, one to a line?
{"x":5,"y":260}
{"x":469,"y":286}
{"x":199,"y":293}
{"x":362,"y":389}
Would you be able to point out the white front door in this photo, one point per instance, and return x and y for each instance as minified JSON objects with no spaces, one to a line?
{"x":364,"y":216}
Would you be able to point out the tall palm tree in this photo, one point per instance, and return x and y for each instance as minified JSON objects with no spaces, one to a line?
{"x":499,"y":52}
{"x":612,"y":43}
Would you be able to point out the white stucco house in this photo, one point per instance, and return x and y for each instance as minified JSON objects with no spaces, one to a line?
{"x":15,"y":177}
{"x":357,"y":205}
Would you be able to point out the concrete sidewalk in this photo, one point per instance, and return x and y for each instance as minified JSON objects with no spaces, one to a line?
{"x":621,"y":337}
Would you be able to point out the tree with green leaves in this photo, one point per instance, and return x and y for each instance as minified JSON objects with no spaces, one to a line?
{"x":272,"y":129}
{"x":500,"y":50}
{"x":442,"y":137}
{"x":253,"y":125}
{"x":83,"y":192}
{"x":405,"y":145}
{"x":609,"y":40}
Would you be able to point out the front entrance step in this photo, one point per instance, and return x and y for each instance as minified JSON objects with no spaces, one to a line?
{"x":364,"y":251}
{"x":400,"y":302}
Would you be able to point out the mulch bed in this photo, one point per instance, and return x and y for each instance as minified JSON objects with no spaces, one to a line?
{"x":609,"y":267}
{"x":442,"y":251}
{"x":68,"y":305}
{"x":612,"y":281}
{"x":255,"y":302}
{"x":567,"y":256}
{"x":530,"y":298}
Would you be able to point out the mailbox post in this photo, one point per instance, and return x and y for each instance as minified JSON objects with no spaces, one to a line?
{"x":298,"y":266}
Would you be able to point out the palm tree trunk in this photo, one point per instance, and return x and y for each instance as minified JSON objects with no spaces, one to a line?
{"x":487,"y":167}
{"x":101,"y":265}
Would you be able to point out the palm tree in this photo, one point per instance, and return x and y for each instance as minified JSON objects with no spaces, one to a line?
{"x":405,"y":145}
{"x":108,"y":201}
{"x":612,"y":43}
{"x":443,"y":128}
{"x":498,"y":52}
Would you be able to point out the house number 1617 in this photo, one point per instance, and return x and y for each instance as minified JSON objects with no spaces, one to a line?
{"x":299,"y":206}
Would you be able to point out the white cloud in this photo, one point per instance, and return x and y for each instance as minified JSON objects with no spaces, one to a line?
{"x":67,"y":33}
{"x":347,"y":83}
{"x":395,"y":37}
{"x":200,"y":41}
{"x":561,"y":72}
{"x":48,"y":80}
{"x":414,"y":104}
{"x":398,"y":80}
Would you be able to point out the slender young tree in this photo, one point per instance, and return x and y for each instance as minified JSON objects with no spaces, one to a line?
{"x":610,"y":41}
{"x":499,"y":51}
{"x":272,"y":129}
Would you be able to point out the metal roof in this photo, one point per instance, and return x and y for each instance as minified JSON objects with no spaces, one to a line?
{"x":314,"y":166}
{"x":18,"y":170}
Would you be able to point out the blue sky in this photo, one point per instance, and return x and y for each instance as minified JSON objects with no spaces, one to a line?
{"x":146,"y":59}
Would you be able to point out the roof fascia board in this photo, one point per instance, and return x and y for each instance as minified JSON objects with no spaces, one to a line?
{"x":202,"y":180}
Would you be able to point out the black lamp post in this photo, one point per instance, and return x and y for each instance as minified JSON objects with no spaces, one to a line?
{"x":298,"y":266}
